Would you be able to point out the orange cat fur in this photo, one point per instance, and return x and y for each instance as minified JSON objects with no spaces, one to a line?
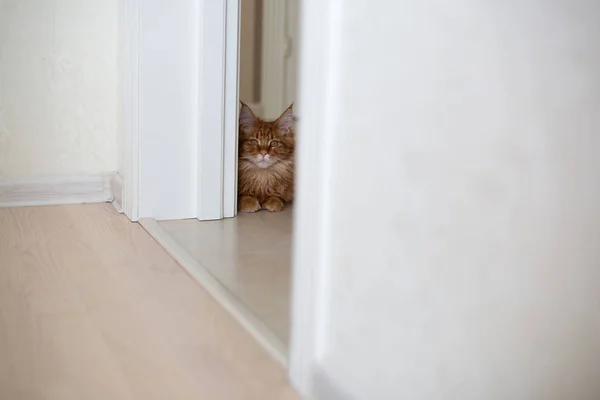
{"x":266,"y":161}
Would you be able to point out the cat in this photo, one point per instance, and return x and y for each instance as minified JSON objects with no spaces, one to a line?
{"x":266,"y":161}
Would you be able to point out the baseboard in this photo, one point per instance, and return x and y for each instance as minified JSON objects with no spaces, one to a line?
{"x":117,"y":185}
{"x":239,"y":311}
{"x":55,"y":190}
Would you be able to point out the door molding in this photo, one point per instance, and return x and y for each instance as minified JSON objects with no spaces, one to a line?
{"x":180,"y":83}
{"x":219,"y":106}
{"x":130,"y":141}
{"x":232,"y":106}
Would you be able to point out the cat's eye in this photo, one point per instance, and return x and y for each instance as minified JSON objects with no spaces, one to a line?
{"x":274,"y":143}
{"x":253,"y":142}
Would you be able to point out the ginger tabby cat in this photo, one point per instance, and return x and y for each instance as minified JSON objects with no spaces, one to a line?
{"x":266,"y":161}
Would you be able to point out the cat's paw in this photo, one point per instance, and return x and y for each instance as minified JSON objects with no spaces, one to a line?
{"x":273,"y":204}
{"x":249,"y":204}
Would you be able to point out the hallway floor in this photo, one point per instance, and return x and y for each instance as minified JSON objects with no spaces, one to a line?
{"x":91,"y":307}
{"x":250,"y":255}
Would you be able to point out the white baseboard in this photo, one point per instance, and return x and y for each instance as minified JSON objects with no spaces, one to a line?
{"x":117,"y":185}
{"x":55,"y":190}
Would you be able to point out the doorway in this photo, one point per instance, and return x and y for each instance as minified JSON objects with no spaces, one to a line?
{"x":244,"y":260}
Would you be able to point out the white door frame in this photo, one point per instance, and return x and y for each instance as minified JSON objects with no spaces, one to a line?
{"x":318,"y":67}
{"x":219,"y":105}
{"x":180,"y":112}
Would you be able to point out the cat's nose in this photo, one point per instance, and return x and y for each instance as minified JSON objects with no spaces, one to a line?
{"x":263,"y":153}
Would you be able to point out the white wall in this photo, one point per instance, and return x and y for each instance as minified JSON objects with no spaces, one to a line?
{"x":250,"y":55}
{"x":462,"y":208}
{"x":60,"y":98}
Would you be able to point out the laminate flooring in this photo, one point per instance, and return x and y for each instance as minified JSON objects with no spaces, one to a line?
{"x":251,"y":256}
{"x":91,"y":307}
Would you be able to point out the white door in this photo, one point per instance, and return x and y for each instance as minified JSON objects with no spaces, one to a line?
{"x":447,"y":232}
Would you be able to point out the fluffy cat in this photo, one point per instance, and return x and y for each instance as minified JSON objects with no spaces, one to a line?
{"x":266,"y":161}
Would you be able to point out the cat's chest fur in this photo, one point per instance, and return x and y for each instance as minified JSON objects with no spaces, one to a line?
{"x":277,"y":180}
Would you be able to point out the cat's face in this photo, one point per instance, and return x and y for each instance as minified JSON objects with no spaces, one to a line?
{"x":266,"y":143}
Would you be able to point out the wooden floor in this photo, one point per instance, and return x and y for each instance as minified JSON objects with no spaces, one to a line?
{"x":92,"y":308}
{"x":251,"y":255}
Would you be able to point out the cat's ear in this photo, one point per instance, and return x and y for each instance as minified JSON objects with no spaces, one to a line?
{"x":286,"y":120}
{"x":248,"y":120}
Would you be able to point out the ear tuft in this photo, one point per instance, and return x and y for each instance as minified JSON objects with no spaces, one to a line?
{"x":286,"y":120}
{"x":248,"y":120}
